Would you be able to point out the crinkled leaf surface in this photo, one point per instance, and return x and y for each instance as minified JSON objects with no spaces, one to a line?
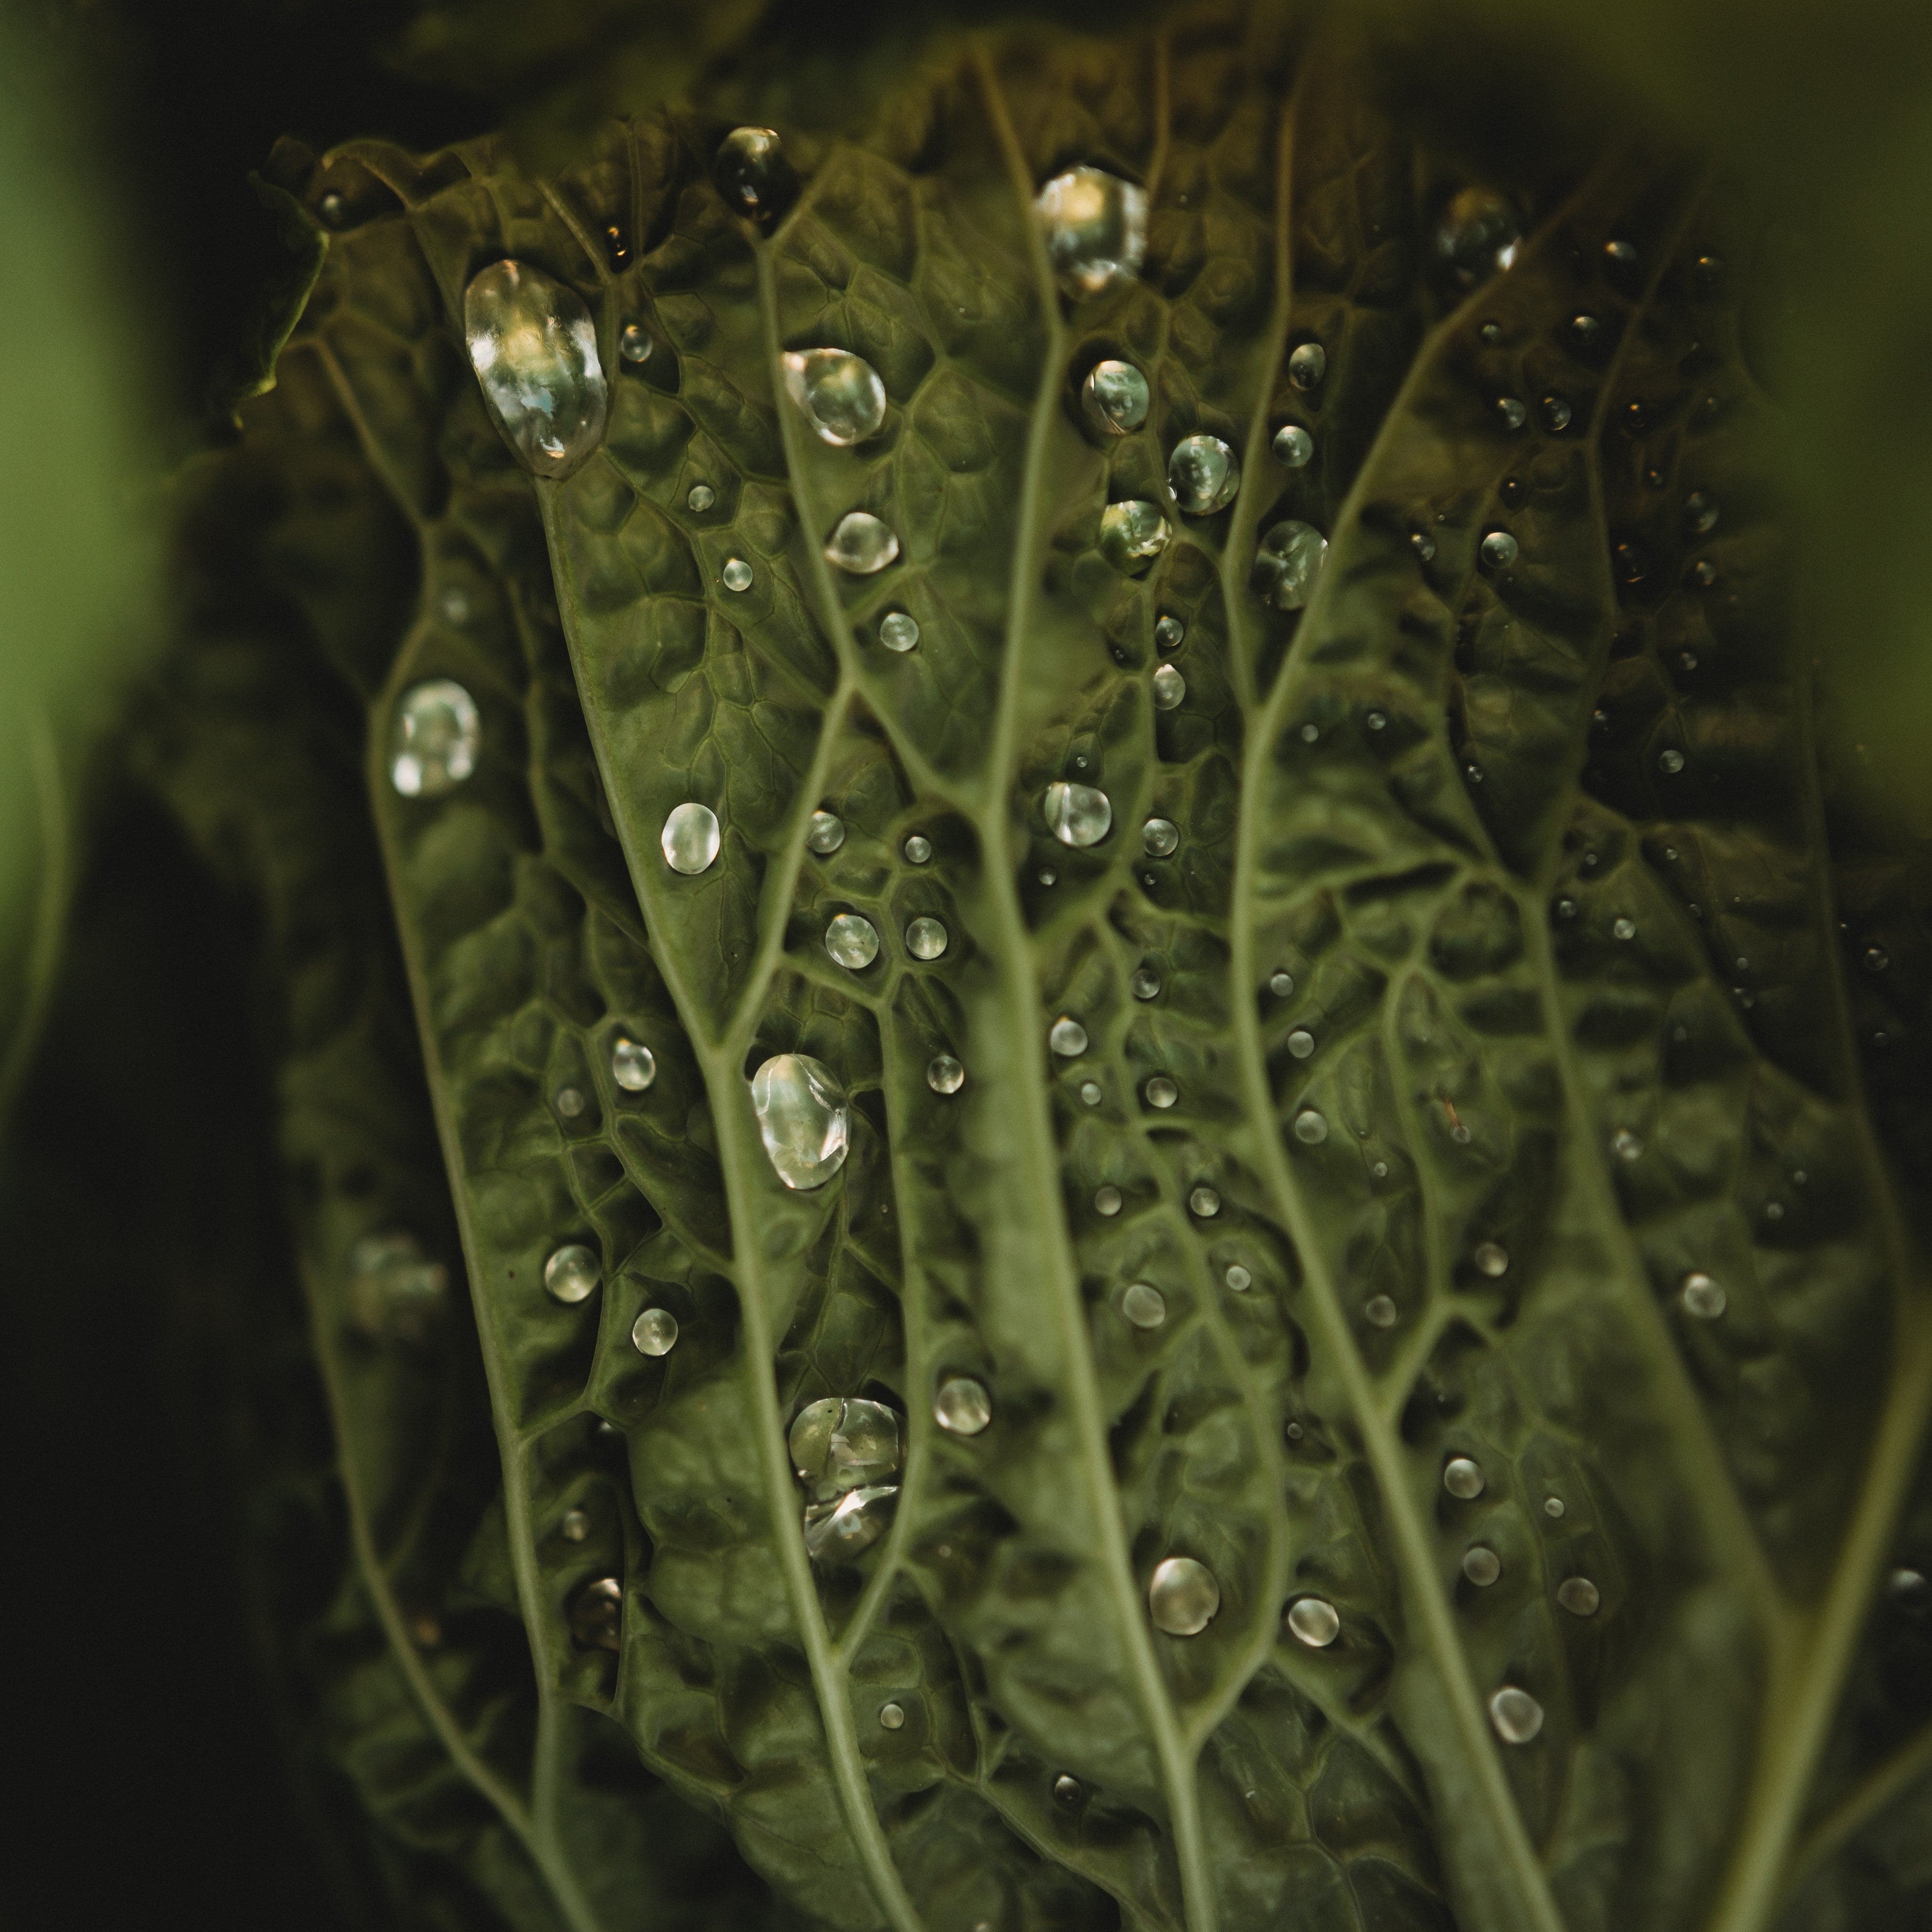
{"x":1513,"y":962}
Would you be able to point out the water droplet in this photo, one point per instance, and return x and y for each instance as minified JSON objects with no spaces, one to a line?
{"x":1552,"y":1505}
{"x":1700,"y":513}
{"x":690,"y":839}
{"x":899,"y":631}
{"x":1293,"y":446}
{"x":802,"y":1118}
{"x":1114,"y":397}
{"x":1145,"y":984}
{"x":575,"y":1525}
{"x":1381,"y":1311}
{"x":754,"y":174}
{"x":1182,"y":1596}
{"x":1132,"y":534}
{"x":1477,"y":235}
{"x":861,"y":543}
{"x":1579,"y":1596}
{"x":1499,"y":549}
{"x":632,"y":1066}
{"x":1205,"y":474}
{"x":1623,"y":929}
{"x":962,"y":1407}
{"x":925,"y":938}
{"x":826,"y":833}
{"x":1703,"y":573}
{"x":1422,"y":544}
{"x":1909,"y":1589}
{"x":1294,"y":1432}
{"x":944,"y":1075}
{"x":1090,"y":1092}
{"x":597,"y":1615}
{"x":1067,"y":1038}
{"x":1160,"y":1092}
{"x":1491,"y":333}
{"x":1307,"y":365}
{"x":1481,"y":1565}
{"x":1585,"y":330}
{"x":1067,"y":1789}
{"x":633,"y":345}
{"x":1301,"y":1042}
{"x":1281,"y":985}
{"x":1310,"y":1128}
{"x":1238,"y":1278}
{"x":1204,"y":1202}
{"x":1517,"y":1715}
{"x":454,"y":604}
{"x":736,"y":574}
{"x":1314,"y":1621}
{"x":839,"y":393}
{"x":434,"y":740}
{"x":852,"y":941}
{"x":1702,"y":1296}
{"x":1160,"y":836}
{"x":840,"y":1444}
{"x":1107,"y":1200}
{"x":1288,"y":563}
{"x":700,"y":497}
{"x":1877,"y":960}
{"x":1144,"y":1304}
{"x":892,"y":1716}
{"x":1556,"y":413}
{"x":1169,"y":688}
{"x":655,"y":1332}
{"x":572,"y":1273}
{"x":333,"y":208}
{"x":1626,"y":1145}
{"x":1462,"y":1477}
{"x":394,"y":1289}
{"x":569,"y":1101}
{"x":1513,"y":412}
{"x":1169,"y":634}
{"x":533,"y":346}
{"x":1077,"y":815}
{"x":1095,"y":225}
{"x":1047,"y":875}
{"x":836,"y":1532}
{"x":1380,"y":1170}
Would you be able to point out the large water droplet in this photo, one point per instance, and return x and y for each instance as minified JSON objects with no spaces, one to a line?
{"x":736,"y":575}
{"x":1702,"y":1296}
{"x":840,"y":393}
{"x":434,"y":740}
{"x":1067,"y":1038}
{"x":572,"y":1273}
{"x":1144,"y":1304}
{"x":1499,"y":549}
{"x":839,"y":1531}
{"x":534,"y":349}
{"x":925,"y":938}
{"x":1462,"y":1477}
{"x":754,"y":175}
{"x":1579,"y":1596}
{"x":1204,"y":1203}
{"x":394,"y":1289}
{"x":841,"y":1443}
{"x":1556,"y":413}
{"x":918,"y":849}
{"x":1115,"y":398}
{"x":1145,"y":984}
{"x":1517,"y":1715}
{"x":1160,"y":836}
{"x":1481,"y":1565}
{"x":962,"y":1406}
{"x":700,"y":497}
{"x":944,"y":1075}
{"x":1133,"y":535}
{"x":1288,"y":563}
{"x":1311,"y":1128}
{"x":690,"y":839}
{"x":655,"y":1332}
{"x":1476,"y":235}
{"x":1307,"y":365}
{"x":1292,"y":445}
{"x":1067,"y":1790}
{"x":633,"y":1066}
{"x":597,"y":1615}
{"x":634,"y":343}
{"x":1204,"y":475}
{"x":1160,"y":1092}
{"x":802,"y":1118}
{"x":892,"y":1717}
{"x":861,"y":543}
{"x":853,"y":941}
{"x":1077,"y":815}
{"x":899,"y":631}
{"x":1182,"y":1596}
{"x":826,"y":833}
{"x":1169,"y":688}
{"x":1095,"y":225}
{"x":1314,"y":1621}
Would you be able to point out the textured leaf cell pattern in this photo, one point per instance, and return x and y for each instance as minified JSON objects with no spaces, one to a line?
{"x":1077,"y":1049}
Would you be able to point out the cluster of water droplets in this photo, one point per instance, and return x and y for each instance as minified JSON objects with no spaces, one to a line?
{"x":846,"y":1451}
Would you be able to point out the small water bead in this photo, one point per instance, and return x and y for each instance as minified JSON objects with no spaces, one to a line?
{"x":837,"y":393}
{"x":1091,"y":1093}
{"x":333,"y":208}
{"x":1143,"y":1305}
{"x":1625,"y":1144}
{"x":1462,"y":1477}
{"x":861,"y":544}
{"x":435,"y":738}
{"x":1294,"y":1432}
{"x":1047,"y":875}
{"x":1182,"y":1596}
{"x":1477,"y":235}
{"x":1703,"y":573}
{"x":1115,"y":398}
{"x":533,"y":345}
{"x":1307,"y":365}
{"x":1513,"y":412}
{"x":1422,"y":544}
{"x":1380,"y":1170}
{"x":597,"y":1615}
{"x":1491,"y":333}
{"x":1499,"y":549}
{"x":736,"y":575}
{"x":1077,"y":815}
{"x":655,"y":1332}
{"x":1311,"y":1128}
{"x":1876,"y":959}
{"x":633,"y":345}
{"x":1067,"y":1790}
{"x":1067,"y":1038}
{"x":1556,"y":413}
{"x":1281,"y":985}
{"x":572,"y":1273}
{"x":1381,"y":1312}
{"x":1481,"y":1565}
{"x":1160,"y":836}
{"x":1204,"y":475}
{"x":1204,"y":1203}
{"x":1670,"y":763}
{"x":632,"y":1066}
{"x":1553,"y":1506}
{"x":1301,"y":1042}
{"x":944,"y":1075}
{"x":892,"y":1717}
{"x":1169,"y":634}
{"x":1700,"y":513}
{"x":1095,"y":227}
{"x":962,"y":1407}
{"x":1293,"y":446}
{"x":570,"y":1102}
{"x":1585,"y":330}
{"x":700,"y":497}
{"x":826,"y":833}
{"x":803,"y":1119}
{"x":454,"y":604}
{"x":1314,"y":1621}
{"x":1517,"y":1715}
{"x":852,"y":941}
{"x":1160,"y":1092}
{"x":1702,"y":1296}
{"x":925,"y":938}
{"x":754,"y":174}
{"x":1579,"y":1596}
{"x":1169,"y":688}
{"x":899,"y":631}
{"x":1288,"y":563}
{"x":1909,"y":1589}
{"x":1145,"y":984}
{"x":575,"y":1525}
{"x":1107,"y":1200}
{"x":1623,"y":929}
{"x":1132,"y":534}
{"x":1238,"y":1278}
{"x":690,"y":839}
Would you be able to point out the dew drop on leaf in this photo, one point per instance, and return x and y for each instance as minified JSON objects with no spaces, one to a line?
{"x":1132,"y":534}
{"x":1491,"y":1258}
{"x":1281,"y":985}
{"x":1091,"y":1094}
{"x":533,"y":346}
{"x":1160,"y":1092}
{"x":1107,"y":1200}
{"x":1579,"y":1596}
{"x":852,"y":941}
{"x":1095,"y":228}
{"x":1238,"y":1278}
{"x":836,"y":1532}
{"x":655,"y":1332}
{"x":1077,"y":815}
{"x":754,"y":174}
{"x":572,"y":1273}
{"x":1512,"y":412}
{"x":1462,"y":1477}
{"x":1145,"y":984}
{"x":1160,"y":836}
{"x":839,"y":393}
{"x":892,"y":1717}
{"x":690,"y":839}
{"x":736,"y":574}
{"x":962,"y":1407}
{"x":843,"y":1443}
{"x":1623,"y":929}
{"x":633,"y":345}
{"x":925,"y":938}
{"x":1307,"y":365}
{"x":861,"y":544}
{"x":597,"y":1615}
{"x":1553,"y":1506}
{"x":1169,"y":634}
{"x":1143,"y":1305}
{"x":575,"y":1525}
{"x":1477,"y":235}
{"x":700,"y":497}
{"x":1499,"y":549}
{"x":632,"y":1066}
{"x":1481,"y":1565}
{"x":1311,"y":1128}
{"x":1314,"y":1621}
{"x":826,"y":833}
{"x":899,"y":631}
{"x":1556,"y":413}
{"x":435,"y":738}
{"x":1301,"y":1043}
{"x":1204,"y":475}
{"x":570,"y":1102}
{"x":1381,"y":1311}
{"x":1204,"y":1203}
{"x":1288,"y":563}
{"x":1182,"y":1596}
{"x":918,"y":849}
{"x":1625,"y":1144}
{"x":1702,"y":1296}
{"x":1517,"y":1715}
{"x":944,"y":1075}
{"x":1909,"y":1590}
{"x":1115,"y":398}
{"x":1292,"y":446}
{"x":1067,"y":1789}
{"x":803,"y":1118}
